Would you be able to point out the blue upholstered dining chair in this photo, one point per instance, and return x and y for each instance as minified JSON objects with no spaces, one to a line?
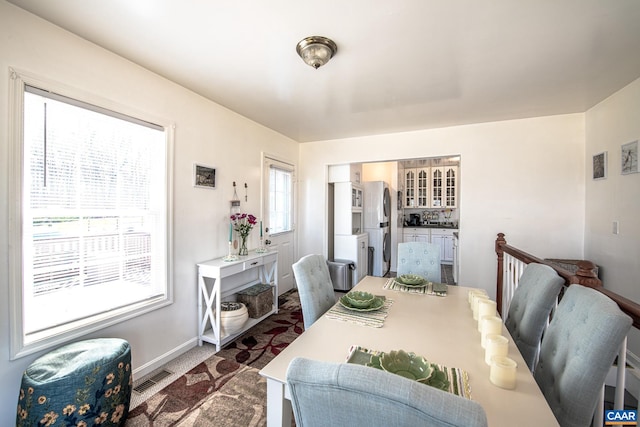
{"x":344,"y":394}
{"x":419,"y":258}
{"x":314,"y":287}
{"x":577,"y":351}
{"x":532,"y":302}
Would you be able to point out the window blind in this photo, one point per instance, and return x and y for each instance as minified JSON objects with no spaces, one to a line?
{"x":94,"y":211}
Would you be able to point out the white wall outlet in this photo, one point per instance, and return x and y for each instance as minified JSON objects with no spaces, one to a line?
{"x":616,"y":227}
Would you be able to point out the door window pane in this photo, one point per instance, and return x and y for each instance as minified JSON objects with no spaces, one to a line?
{"x":280,"y":200}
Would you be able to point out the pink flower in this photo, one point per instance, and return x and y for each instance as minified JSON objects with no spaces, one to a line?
{"x":243,"y":223}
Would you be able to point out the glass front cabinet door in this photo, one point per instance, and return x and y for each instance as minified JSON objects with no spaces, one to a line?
{"x":444,"y":187}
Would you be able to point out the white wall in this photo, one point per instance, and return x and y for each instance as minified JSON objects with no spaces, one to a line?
{"x":205,"y":132}
{"x":522,"y":177}
{"x":525,"y":178}
{"x":610,"y":124}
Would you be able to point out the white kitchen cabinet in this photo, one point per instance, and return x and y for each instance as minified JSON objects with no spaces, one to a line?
{"x":456,"y":257}
{"x":353,"y":248}
{"x":444,"y":237}
{"x":444,"y":187}
{"x":347,"y":208}
{"x":409,"y":179}
{"x":220,"y":280}
{"x":415,"y":235}
{"x":431,"y":187}
{"x":416,"y":185}
{"x":346,"y":173}
{"x":441,"y":236}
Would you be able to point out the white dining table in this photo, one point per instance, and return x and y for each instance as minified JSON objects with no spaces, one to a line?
{"x":440,"y":328}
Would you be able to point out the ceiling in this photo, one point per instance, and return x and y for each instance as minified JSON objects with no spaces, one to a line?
{"x":401,"y":66}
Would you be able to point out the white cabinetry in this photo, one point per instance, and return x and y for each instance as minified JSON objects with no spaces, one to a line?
{"x":415,"y":235}
{"x":349,"y":240}
{"x":347,"y":209}
{"x":416,"y":185}
{"x":444,"y":187}
{"x":456,"y":257}
{"x":354,"y":248}
{"x":441,"y":236}
{"x":431,"y":187}
{"x":346,"y":173}
{"x":220,"y":280}
{"x":444,"y":237}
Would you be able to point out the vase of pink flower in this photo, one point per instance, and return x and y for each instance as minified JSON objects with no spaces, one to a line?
{"x":243,"y":223}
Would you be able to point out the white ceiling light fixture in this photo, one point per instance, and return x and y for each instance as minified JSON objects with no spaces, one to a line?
{"x":316,"y":50}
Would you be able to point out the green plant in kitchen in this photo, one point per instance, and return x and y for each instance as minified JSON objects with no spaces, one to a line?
{"x":243,"y":223}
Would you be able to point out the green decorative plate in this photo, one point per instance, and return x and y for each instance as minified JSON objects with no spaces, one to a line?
{"x":375,"y":305}
{"x":411,"y":366}
{"x":411,"y":280}
{"x":360,"y":299}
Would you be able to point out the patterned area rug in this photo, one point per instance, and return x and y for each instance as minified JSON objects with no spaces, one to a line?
{"x":226,"y":389}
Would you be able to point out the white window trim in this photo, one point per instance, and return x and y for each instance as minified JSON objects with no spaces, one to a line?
{"x":18,"y":80}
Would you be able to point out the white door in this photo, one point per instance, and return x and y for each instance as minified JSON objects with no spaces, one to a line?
{"x":278,"y":198}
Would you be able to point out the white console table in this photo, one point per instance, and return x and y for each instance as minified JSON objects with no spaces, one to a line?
{"x":220,"y":280}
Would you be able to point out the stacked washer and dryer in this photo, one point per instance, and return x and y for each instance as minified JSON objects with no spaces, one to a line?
{"x":377,"y":216}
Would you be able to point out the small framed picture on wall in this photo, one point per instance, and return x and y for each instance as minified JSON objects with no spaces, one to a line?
{"x":204,"y":176}
{"x":629,"y":158}
{"x":600,"y":165}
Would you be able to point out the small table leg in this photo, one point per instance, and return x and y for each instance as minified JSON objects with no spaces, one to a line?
{"x":278,"y":407}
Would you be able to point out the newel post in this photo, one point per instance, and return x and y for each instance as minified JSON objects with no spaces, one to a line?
{"x":586,"y":275}
{"x":500,"y":241}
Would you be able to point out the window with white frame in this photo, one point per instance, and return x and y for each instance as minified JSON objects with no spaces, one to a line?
{"x":280,"y":197}
{"x":93,"y":218}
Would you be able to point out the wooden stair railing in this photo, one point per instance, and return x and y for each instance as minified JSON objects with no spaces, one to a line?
{"x":585,"y":276}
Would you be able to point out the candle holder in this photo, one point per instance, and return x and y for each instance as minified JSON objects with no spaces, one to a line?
{"x":230,"y":256}
{"x":261,"y":249}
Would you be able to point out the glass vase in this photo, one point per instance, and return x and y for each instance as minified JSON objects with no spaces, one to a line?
{"x":243,"y":246}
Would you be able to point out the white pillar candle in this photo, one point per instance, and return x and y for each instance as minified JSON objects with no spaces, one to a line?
{"x":473,"y":292}
{"x":503,"y":372}
{"x":476,"y":300}
{"x":486,"y":307}
{"x":491,"y":325}
{"x":495,"y":345}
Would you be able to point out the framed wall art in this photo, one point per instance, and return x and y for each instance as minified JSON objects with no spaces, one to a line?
{"x":600,"y":165}
{"x":629,"y":158}
{"x":204,"y":176}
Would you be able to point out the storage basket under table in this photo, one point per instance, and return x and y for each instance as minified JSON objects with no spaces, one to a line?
{"x":258,"y":299}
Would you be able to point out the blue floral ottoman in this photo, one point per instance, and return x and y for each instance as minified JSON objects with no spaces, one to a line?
{"x":80,"y":384}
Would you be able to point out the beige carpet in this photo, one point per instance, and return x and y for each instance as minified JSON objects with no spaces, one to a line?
{"x":226,"y":389}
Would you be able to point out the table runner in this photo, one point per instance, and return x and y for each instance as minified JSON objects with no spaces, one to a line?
{"x":458,"y":378}
{"x":374,"y":319}
{"x":438,"y":289}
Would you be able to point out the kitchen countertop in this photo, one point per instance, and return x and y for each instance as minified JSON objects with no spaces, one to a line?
{"x":448,"y":226}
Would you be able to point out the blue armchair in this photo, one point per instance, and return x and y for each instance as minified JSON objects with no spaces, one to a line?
{"x":577,"y":350}
{"x":532,"y":302}
{"x":334,"y":394}
{"x":419,"y":258}
{"x":314,"y":287}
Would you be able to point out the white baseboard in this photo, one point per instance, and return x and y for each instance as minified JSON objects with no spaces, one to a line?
{"x":163,"y":359}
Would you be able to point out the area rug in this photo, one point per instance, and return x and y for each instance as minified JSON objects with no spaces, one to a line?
{"x":226,"y":389}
